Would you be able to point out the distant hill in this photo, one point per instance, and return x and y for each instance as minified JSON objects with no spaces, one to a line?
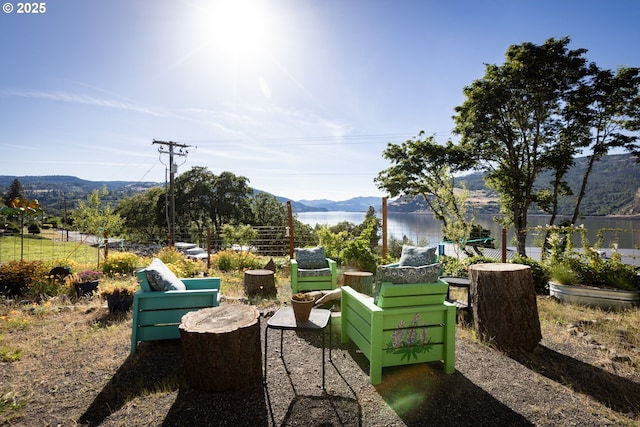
{"x":356,"y":204}
{"x":613,"y":189}
{"x":56,"y":190}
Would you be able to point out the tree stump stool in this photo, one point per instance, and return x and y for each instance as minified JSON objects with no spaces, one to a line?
{"x":360,"y":281}
{"x":221,"y":347}
{"x":260,"y":282}
{"x":505,"y":311}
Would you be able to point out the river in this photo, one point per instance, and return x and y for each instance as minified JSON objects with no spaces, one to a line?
{"x":424,"y":229}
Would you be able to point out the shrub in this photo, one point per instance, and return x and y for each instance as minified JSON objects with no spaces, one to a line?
{"x":16,"y":277}
{"x":120,"y":263}
{"x":453,"y":267}
{"x":229,"y":260}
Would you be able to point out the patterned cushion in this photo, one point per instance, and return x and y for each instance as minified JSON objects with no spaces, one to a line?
{"x":416,"y":256}
{"x":405,"y":275}
{"x":311,"y":258}
{"x":315,"y":272}
{"x":160,"y":278}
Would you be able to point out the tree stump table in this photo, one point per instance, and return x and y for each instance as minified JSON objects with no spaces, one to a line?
{"x":260,"y":282}
{"x":360,"y":281}
{"x":505,"y":311}
{"x":221,"y":347}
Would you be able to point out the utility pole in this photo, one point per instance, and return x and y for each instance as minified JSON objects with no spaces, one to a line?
{"x":169,"y":147}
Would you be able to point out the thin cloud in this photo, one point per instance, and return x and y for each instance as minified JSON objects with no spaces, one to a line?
{"x":82,"y":99}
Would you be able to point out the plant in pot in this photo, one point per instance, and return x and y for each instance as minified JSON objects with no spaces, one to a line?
{"x":84,"y":282}
{"x":119,"y":295}
{"x":587,"y":278}
{"x":302,"y":303}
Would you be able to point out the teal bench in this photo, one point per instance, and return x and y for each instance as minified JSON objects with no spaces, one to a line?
{"x":157,"y":314}
{"x":410,"y":324}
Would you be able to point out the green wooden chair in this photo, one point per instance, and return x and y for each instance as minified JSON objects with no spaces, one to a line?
{"x":157,"y":313}
{"x":410,"y":324}
{"x":407,"y":320}
{"x":311,"y":270}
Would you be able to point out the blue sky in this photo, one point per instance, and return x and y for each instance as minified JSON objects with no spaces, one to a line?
{"x":299,"y":96}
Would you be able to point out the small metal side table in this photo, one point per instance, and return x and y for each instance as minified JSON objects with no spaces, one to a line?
{"x":459,"y":282}
{"x":284,"y":319}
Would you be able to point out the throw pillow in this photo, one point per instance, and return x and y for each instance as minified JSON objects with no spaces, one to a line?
{"x":160,"y":278}
{"x":405,"y":275}
{"x":416,"y":256}
{"x":312,"y":258}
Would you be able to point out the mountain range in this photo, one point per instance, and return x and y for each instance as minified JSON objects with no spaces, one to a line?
{"x":613,"y":189}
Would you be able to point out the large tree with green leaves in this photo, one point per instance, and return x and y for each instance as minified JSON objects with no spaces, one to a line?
{"x":231,"y":200}
{"x":602,"y":114}
{"x":195,"y":194}
{"x":420,"y":166}
{"x":143,"y":214}
{"x":511,"y":123}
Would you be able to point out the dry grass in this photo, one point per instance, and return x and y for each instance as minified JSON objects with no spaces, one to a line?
{"x":56,"y":353}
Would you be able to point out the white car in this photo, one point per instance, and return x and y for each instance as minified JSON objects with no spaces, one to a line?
{"x":196,"y":253}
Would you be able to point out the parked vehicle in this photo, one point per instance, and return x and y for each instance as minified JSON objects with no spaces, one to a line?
{"x":196,"y":253}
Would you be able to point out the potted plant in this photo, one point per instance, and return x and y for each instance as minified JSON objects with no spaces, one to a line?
{"x":302,"y":303}
{"x":589,"y":279}
{"x":119,"y":295}
{"x":84,"y":282}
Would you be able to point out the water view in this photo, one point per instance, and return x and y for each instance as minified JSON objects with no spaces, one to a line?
{"x":424,"y":229}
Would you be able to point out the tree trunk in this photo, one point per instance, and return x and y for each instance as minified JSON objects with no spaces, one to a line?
{"x":360,"y":281}
{"x":259,"y":282}
{"x":505,"y":311}
{"x":221,"y":347}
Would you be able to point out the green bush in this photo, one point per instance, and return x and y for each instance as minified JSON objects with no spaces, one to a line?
{"x":452,"y":267}
{"x":16,"y":277}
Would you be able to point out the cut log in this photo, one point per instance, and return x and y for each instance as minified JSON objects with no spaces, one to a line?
{"x":260,"y":282}
{"x":221,"y":347}
{"x":360,"y":281}
{"x":505,"y":311}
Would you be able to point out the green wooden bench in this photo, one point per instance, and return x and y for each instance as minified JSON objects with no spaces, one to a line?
{"x":411,"y":323}
{"x":157,"y":314}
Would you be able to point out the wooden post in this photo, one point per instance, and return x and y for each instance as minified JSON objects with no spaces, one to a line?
{"x":221,"y":347}
{"x":208,"y":249}
{"x":504,"y":245}
{"x":290,"y":213}
{"x":505,"y":311}
{"x":384,"y":228}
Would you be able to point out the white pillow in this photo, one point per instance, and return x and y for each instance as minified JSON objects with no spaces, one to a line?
{"x":160,"y":278}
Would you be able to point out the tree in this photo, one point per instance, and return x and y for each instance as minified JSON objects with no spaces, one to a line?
{"x":16,"y":191}
{"x":143,"y":214}
{"x":512,"y":120}
{"x":94,"y":217}
{"x":231,"y":200}
{"x":268,"y":211}
{"x":604,"y":112}
{"x":420,"y":167}
{"x":195,"y":198}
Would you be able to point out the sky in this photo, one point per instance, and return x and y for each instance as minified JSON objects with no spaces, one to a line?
{"x":301,"y":97}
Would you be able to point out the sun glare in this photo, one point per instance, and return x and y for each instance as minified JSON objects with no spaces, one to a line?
{"x":239,"y":27}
